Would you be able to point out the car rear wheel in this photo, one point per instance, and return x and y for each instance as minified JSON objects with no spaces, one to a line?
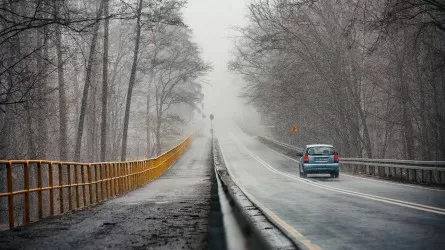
{"x":335,"y":175}
{"x":302,"y":174}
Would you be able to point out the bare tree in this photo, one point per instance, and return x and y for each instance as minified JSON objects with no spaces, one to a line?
{"x":349,"y":73}
{"x":91,"y":58}
{"x":62,"y":96}
{"x":132,"y":80}
{"x":103,"y":138}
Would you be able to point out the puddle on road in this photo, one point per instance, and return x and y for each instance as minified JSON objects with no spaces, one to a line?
{"x":161,"y":202}
{"x":147,"y":202}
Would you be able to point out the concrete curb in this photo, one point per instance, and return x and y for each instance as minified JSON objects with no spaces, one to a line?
{"x":261,"y":231}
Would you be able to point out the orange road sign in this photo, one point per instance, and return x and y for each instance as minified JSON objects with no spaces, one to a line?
{"x":293,"y":128}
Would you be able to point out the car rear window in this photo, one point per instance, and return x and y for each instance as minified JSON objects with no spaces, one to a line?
{"x":320,"y":151}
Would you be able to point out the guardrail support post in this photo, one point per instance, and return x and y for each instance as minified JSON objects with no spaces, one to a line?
{"x":415,"y":175}
{"x":407,"y":174}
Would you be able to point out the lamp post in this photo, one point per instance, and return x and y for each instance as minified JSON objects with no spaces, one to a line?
{"x":211,"y":124}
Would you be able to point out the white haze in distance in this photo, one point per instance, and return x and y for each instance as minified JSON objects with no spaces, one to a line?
{"x":213,"y":23}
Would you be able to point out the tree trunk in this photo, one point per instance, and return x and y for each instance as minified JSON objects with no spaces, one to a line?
{"x":148,"y":128}
{"x":131,"y":82}
{"x":42,"y":66}
{"x":103,"y":136}
{"x":158,"y":138}
{"x":86,"y":87}
{"x":32,"y":152}
{"x":63,"y":153}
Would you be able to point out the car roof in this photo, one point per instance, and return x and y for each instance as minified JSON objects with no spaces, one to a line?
{"x":318,"y":145}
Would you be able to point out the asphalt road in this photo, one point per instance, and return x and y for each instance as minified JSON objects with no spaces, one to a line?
{"x":344,"y":213}
{"x":168,"y":213}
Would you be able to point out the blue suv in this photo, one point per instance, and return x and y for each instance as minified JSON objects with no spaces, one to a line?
{"x":319,"y":159}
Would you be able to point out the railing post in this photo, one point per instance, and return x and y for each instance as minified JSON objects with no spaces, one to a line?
{"x":39,"y":186}
{"x":141,"y":172}
{"x":51,"y":190}
{"x":76,"y":181}
{"x":60,"y":188}
{"x":127,"y":179}
{"x":11,"y":195}
{"x":70,"y":203}
{"x":96,"y":180}
{"x":90,"y":184}
{"x":26,"y":184}
{"x":120,"y":179}
{"x":130,"y":177}
{"x":108,"y":182}
{"x":101,"y":181}
{"x":84,"y":188}
{"x":123,"y":177}
{"x":103,"y":185}
{"x":114,"y":180}
{"x":133,"y":171}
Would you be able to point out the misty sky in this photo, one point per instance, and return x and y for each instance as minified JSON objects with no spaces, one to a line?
{"x":212,"y":22}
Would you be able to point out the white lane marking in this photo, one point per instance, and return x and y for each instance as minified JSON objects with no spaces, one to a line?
{"x":417,"y":206}
{"x":291,"y":230}
{"x":397,"y":184}
{"x":369,"y":179}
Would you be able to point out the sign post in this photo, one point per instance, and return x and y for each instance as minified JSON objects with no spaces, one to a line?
{"x":293,"y":131}
{"x":211,"y":124}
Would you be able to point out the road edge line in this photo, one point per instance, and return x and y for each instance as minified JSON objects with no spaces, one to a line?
{"x":293,"y":234}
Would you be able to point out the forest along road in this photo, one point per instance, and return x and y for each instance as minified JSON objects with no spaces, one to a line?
{"x":344,"y":213}
{"x":171,"y":212}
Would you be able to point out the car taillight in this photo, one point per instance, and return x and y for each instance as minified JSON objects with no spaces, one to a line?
{"x":306,"y":158}
{"x":336,"y":158}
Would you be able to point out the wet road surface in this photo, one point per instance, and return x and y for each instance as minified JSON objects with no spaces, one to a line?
{"x":344,"y":213}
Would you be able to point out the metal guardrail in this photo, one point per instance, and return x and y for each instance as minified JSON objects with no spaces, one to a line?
{"x":430,"y":172}
{"x":77,"y":185}
{"x":281,"y":144}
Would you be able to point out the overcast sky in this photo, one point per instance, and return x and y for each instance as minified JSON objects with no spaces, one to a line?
{"x":212,"y":22}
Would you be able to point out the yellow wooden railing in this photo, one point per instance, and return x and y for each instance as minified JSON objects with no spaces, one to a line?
{"x":68,"y":186}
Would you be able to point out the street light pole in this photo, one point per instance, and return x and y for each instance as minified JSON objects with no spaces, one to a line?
{"x":211,"y":124}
